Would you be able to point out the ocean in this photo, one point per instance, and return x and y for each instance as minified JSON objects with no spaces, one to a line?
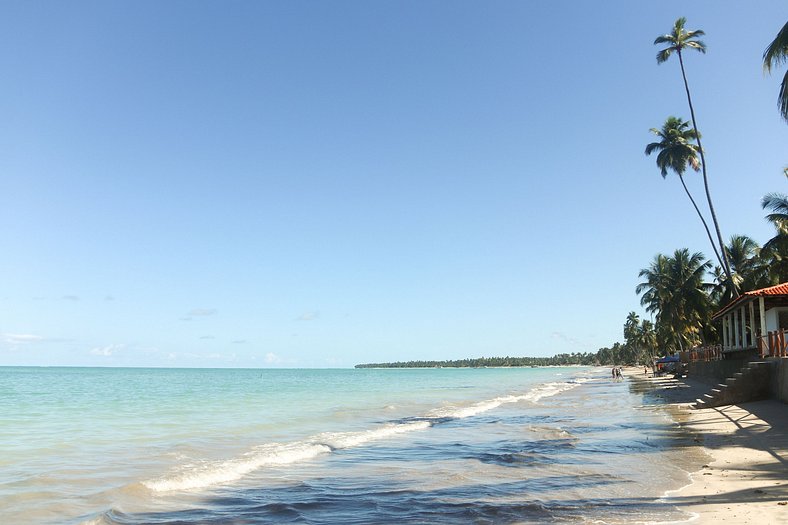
{"x":335,"y":446}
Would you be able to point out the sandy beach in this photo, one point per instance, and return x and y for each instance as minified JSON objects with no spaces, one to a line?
{"x":746,"y":477}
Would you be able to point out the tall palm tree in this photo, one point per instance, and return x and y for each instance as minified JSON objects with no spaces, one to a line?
{"x":777,"y":53}
{"x":675,"y":291}
{"x":776,"y":248}
{"x":676,"y":153}
{"x":678,"y":40}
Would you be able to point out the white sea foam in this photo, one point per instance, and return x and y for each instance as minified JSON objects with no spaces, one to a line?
{"x":535,"y":394}
{"x":273,"y":454}
{"x":216,"y":473}
{"x":211,"y":473}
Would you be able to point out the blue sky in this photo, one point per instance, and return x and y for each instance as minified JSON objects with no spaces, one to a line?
{"x":327,"y":183}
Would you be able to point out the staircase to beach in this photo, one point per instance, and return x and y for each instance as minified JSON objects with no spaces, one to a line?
{"x":751,"y":383}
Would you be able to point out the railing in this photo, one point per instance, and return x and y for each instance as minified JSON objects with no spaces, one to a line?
{"x":706,"y":353}
{"x":773,"y":344}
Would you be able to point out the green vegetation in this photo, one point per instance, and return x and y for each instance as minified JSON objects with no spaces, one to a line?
{"x":683,"y":290}
{"x":617,"y":355}
{"x":678,"y":40}
{"x":676,"y":153}
{"x":777,"y":53}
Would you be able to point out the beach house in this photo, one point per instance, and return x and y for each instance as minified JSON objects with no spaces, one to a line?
{"x":756,"y":322}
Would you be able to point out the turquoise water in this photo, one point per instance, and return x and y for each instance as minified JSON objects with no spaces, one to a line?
{"x":103,"y":445}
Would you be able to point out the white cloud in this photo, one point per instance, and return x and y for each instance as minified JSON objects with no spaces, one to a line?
{"x":202,"y":312}
{"x":21,"y":338}
{"x":272,"y":358}
{"x":221,"y":357}
{"x":563,"y":337}
{"x":106,"y":351}
{"x":308,"y":316}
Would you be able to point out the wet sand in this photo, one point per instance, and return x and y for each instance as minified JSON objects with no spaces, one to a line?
{"x":746,"y":477}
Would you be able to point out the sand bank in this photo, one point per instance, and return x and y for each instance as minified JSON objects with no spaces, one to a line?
{"x":746,"y":477}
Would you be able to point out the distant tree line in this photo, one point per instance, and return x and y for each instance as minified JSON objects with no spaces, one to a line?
{"x":618,"y":354}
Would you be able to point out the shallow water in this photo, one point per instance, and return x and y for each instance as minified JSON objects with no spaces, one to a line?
{"x":527,"y":445}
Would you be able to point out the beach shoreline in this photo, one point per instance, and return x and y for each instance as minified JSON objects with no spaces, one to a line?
{"x":746,"y":477}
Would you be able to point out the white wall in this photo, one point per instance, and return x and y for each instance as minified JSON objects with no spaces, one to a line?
{"x":772,"y":318}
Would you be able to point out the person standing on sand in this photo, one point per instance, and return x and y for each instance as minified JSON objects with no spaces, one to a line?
{"x":645,"y":370}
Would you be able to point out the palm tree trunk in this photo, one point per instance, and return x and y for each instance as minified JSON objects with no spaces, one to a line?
{"x":726,"y":266}
{"x":703,"y":220}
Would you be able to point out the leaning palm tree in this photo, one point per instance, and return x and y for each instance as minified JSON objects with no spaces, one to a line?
{"x":676,"y":153}
{"x":777,"y":53}
{"x":678,"y":40}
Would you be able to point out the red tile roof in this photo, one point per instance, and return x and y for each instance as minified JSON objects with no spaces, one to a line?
{"x":778,"y":289}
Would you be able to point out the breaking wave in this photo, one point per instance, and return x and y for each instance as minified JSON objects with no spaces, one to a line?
{"x":211,"y":473}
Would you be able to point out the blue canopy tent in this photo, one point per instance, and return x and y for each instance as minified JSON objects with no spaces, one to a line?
{"x":668,"y":363}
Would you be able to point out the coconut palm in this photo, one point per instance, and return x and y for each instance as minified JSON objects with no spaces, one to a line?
{"x":676,"y":153}
{"x":750,"y":270}
{"x":631,"y":326}
{"x":648,"y":340}
{"x":777,"y":53}
{"x":631,"y":333}
{"x":675,"y":291}
{"x":776,"y":248}
{"x":678,"y":40}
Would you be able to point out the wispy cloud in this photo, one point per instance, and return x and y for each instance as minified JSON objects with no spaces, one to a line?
{"x":565,"y":338}
{"x":70,"y":298}
{"x":201,"y":312}
{"x":239,"y":342}
{"x":207,"y":337}
{"x":106,"y":351}
{"x":308,"y":316}
{"x":21,"y":338}
{"x":272,"y":358}
{"x":223,"y":357}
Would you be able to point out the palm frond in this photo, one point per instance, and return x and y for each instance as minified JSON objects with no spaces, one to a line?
{"x":664,"y":39}
{"x":697,"y":45}
{"x":777,"y":51}
{"x":663,"y":55}
{"x":694,"y":33}
{"x":777,"y":202}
